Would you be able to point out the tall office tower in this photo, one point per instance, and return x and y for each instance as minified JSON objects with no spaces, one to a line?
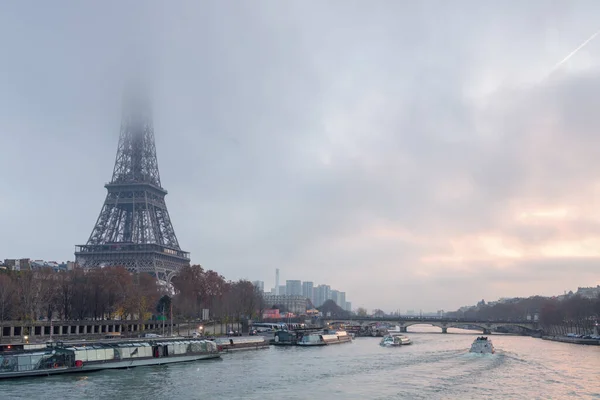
{"x":342,"y":300}
{"x":322,"y":294}
{"x":334,"y":296}
{"x":307,"y":291}
{"x":293,"y":288}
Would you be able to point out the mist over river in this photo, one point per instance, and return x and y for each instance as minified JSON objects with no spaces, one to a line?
{"x":435,"y":366}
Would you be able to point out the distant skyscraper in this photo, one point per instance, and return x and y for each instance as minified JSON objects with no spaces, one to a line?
{"x":307,"y":291}
{"x":282,"y":289}
{"x":348,"y":306}
{"x":260,"y":285}
{"x":335,"y":296}
{"x":342,"y":300}
{"x":277,"y":281}
{"x":293,"y":288}
{"x":328,"y":295}
{"x":322,"y":294}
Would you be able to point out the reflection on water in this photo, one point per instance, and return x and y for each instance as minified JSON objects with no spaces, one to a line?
{"x":434,"y":366}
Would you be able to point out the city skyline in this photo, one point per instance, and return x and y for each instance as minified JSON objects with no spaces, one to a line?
{"x":318,"y":293}
{"x":417,"y":156}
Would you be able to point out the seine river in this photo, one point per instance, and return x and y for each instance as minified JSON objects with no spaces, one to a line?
{"x":435,"y":366}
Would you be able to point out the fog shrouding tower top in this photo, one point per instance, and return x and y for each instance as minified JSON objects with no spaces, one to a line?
{"x":136,"y":160}
{"x":134,"y":229}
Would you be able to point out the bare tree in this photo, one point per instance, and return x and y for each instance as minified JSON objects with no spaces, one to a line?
{"x":7,"y":296}
{"x":27,"y":292}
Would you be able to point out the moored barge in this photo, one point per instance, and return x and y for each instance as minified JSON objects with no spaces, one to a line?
{"x":61,"y":358}
{"x":241,"y":343}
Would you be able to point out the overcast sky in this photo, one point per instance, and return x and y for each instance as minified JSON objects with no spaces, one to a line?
{"x":417,"y":155}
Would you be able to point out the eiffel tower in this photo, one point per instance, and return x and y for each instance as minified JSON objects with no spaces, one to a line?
{"x":134,"y":229}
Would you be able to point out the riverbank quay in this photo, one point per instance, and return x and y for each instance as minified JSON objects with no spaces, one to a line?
{"x":564,"y":339}
{"x":20,"y":332}
{"x":42,"y":331}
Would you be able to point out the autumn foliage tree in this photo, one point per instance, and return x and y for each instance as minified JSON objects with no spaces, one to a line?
{"x":197,"y":289}
{"x":104,"y":293}
{"x":115,"y":293}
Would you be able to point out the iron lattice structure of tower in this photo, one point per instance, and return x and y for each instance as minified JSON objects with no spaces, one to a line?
{"x":134,"y":229}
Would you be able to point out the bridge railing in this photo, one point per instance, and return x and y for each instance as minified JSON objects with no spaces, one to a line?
{"x":437,"y":319}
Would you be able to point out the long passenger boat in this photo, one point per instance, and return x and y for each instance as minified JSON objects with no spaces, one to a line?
{"x":291,"y":338}
{"x":325,"y":338}
{"x":61,"y":358}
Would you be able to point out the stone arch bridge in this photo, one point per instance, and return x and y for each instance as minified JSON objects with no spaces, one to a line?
{"x":444,"y":323}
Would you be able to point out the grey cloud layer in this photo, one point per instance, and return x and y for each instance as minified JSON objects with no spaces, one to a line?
{"x":303,"y":135}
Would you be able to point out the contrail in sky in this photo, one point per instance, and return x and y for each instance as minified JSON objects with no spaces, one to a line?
{"x":571,"y":54}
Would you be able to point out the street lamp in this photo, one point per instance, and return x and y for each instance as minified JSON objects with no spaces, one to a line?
{"x":26,"y":338}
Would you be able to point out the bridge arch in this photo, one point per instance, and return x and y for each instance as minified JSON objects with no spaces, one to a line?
{"x":429,"y":323}
{"x":462,"y":325}
{"x":445,"y":325}
{"x":405,"y":325}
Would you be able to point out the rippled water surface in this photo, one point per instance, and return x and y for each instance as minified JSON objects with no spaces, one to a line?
{"x":435,"y":366}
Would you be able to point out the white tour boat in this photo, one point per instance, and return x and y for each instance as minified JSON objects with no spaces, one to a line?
{"x":394,"y":340}
{"x":482,"y":345}
{"x":324,"y":338}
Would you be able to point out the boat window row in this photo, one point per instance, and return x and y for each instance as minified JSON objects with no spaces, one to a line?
{"x":19,"y":362}
{"x":93,"y":354}
{"x":106,"y":352}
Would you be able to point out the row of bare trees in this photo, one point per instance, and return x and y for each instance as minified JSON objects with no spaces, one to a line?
{"x":514,"y":310}
{"x":114,"y":293}
{"x":572,"y":314}
{"x":104,"y":293}
{"x":575,"y":314}
{"x":197,"y":289}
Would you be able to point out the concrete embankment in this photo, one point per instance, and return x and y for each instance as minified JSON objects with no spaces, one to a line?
{"x":42,"y":331}
{"x":564,"y":339}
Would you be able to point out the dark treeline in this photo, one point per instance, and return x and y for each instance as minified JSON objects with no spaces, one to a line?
{"x":330,"y":308}
{"x":114,"y":293}
{"x":198,"y":289}
{"x":573,"y":313}
{"x":104,"y":293}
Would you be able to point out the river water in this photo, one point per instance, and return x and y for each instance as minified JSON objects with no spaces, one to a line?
{"x":435,"y":366}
